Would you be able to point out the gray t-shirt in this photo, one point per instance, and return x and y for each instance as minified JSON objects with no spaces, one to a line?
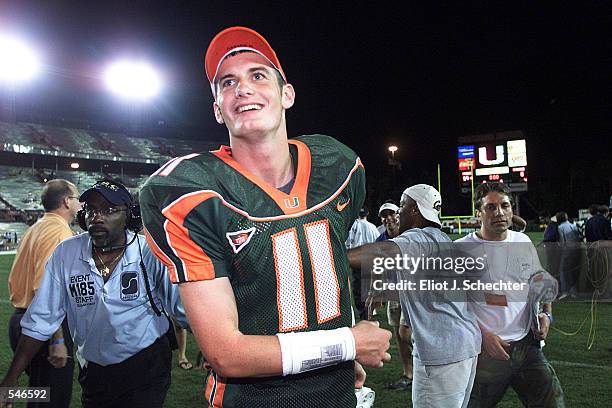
{"x":444,"y":329}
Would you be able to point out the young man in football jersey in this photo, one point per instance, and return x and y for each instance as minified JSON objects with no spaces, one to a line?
{"x":255,"y":234}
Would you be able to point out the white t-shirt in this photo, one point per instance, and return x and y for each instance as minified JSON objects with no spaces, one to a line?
{"x":515,"y":259}
{"x":362,"y":232}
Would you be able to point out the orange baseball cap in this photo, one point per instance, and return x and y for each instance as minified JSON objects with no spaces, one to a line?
{"x":237,"y":39}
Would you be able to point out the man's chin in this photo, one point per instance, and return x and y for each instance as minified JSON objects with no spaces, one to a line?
{"x":502,"y":227}
{"x":99,"y":243}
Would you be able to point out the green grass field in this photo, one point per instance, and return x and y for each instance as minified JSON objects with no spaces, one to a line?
{"x":586,"y":375}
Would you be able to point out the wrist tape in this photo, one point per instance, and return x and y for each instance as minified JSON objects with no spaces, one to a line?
{"x":307,"y":351}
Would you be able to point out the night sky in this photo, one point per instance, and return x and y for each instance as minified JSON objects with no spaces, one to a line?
{"x":368,"y":73}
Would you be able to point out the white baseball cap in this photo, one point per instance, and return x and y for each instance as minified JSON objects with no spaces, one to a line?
{"x":428,"y":200}
{"x":388,"y":206}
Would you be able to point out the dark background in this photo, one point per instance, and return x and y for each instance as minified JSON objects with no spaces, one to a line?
{"x":368,"y":73}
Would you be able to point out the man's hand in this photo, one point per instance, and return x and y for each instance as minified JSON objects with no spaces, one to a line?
{"x":371,"y":344}
{"x":544,"y":327}
{"x":58,"y":355}
{"x":7,"y":382}
{"x":360,"y":375}
{"x":495,"y":347}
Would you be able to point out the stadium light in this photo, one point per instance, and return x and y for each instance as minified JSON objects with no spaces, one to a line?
{"x":18,"y":61}
{"x":74,"y":165}
{"x":393,"y":149}
{"x":133,"y":80}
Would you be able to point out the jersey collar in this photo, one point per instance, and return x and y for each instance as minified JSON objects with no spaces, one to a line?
{"x":295,"y":200}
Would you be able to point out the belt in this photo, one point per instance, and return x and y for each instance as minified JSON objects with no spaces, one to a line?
{"x":529,"y":339}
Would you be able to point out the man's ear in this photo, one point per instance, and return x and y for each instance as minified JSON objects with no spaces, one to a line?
{"x":287,"y":96}
{"x":218,"y":114}
{"x":66,"y":202}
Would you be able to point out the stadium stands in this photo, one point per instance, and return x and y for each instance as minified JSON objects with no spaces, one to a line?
{"x":70,"y":142}
{"x":33,"y":153}
{"x":20,"y":189}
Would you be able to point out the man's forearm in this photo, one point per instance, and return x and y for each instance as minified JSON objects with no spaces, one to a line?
{"x":249,"y":356}
{"x":363,"y":255}
{"x":26,"y":349}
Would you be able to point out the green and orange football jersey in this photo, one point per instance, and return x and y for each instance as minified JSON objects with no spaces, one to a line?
{"x":207,"y":217}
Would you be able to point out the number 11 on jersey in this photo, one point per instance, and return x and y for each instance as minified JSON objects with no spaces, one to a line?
{"x":291,"y":296}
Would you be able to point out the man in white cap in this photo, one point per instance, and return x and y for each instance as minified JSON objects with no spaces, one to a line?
{"x":254,"y":233}
{"x":389,"y":219}
{"x":446,"y":336}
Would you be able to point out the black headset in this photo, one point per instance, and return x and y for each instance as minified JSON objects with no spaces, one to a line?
{"x":134,"y":219}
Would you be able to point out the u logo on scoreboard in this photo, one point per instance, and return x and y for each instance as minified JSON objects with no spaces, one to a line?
{"x":483,"y":156}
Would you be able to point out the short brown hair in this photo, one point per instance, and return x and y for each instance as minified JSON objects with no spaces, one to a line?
{"x":492,"y":186}
{"x":54,"y":193}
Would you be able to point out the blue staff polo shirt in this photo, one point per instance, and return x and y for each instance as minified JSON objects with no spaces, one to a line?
{"x":110,"y":321}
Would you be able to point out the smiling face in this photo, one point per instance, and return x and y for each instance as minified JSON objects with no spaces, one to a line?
{"x":390,"y":220}
{"x":105,"y":229}
{"x":495,"y":216}
{"x":249,"y":100}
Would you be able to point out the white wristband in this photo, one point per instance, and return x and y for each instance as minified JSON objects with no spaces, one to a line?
{"x":307,"y":351}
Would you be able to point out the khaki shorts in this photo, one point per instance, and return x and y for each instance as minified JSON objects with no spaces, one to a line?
{"x":395,"y":314}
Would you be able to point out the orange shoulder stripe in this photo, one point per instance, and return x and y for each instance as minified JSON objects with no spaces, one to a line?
{"x":284,"y":216}
{"x":161,"y":255}
{"x":197,"y":265}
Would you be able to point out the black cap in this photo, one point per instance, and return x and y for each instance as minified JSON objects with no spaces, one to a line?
{"x":115,"y":193}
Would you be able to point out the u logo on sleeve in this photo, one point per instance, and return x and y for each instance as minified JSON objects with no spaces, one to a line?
{"x":129,"y":286}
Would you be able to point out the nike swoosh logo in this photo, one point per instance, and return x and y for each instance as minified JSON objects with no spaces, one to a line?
{"x":340,"y":207}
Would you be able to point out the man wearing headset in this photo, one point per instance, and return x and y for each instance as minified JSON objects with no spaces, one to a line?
{"x":97,"y":280}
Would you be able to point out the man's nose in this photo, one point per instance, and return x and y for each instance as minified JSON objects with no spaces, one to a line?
{"x":243,"y":89}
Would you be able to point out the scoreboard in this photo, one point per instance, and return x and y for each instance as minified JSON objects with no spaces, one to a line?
{"x":494,"y":160}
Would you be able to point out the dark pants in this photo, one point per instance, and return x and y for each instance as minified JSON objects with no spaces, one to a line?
{"x":141,"y":381}
{"x":569,"y":267}
{"x":553,"y":258}
{"x":41,"y":372}
{"x":527,"y":372}
{"x":359,"y":301}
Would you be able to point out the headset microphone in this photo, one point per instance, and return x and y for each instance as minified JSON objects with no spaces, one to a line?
{"x":112,"y":248}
